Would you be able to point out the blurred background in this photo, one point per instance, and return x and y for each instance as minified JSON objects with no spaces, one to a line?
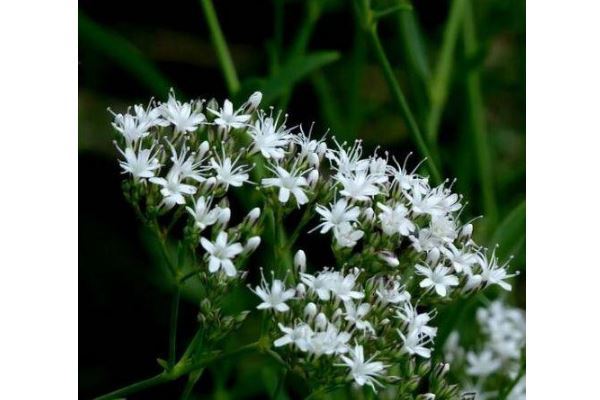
{"x":460,"y":64}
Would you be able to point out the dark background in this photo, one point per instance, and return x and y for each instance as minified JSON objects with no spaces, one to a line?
{"x":123,"y":304}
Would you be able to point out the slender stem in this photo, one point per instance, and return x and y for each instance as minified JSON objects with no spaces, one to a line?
{"x":441,"y":78}
{"x":223,"y":54}
{"x":401,"y":102}
{"x":280,"y":385}
{"x":193,"y":377}
{"x":173,"y":327}
{"x":136,"y":387}
{"x":477,"y":121}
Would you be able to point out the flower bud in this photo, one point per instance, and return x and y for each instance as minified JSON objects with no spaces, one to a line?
{"x":300,"y":261}
{"x":252,"y":244}
{"x":321,"y":321}
{"x":254,"y":100}
{"x":369,"y":214}
{"x":313,"y":177}
{"x":253,"y":215}
{"x":313,"y":159}
{"x":389,"y":258}
{"x":204,"y":146}
{"x":300,"y":290}
{"x":466,"y":231}
{"x":224,"y":216}
{"x":384,"y":321}
{"x":322,"y":148}
{"x":310,"y":310}
{"x":433,"y":256}
{"x":210,"y":181}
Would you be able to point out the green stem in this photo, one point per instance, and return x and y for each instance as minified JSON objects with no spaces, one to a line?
{"x":223,"y":54}
{"x":280,"y":385}
{"x":191,"y":382}
{"x":477,"y":121}
{"x":136,"y":387}
{"x":173,"y":327}
{"x":401,"y":102}
{"x":368,"y":23}
{"x":441,"y":77}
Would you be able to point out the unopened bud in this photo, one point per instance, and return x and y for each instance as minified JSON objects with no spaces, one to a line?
{"x":313,"y":159}
{"x":253,"y":215}
{"x":210,"y":181}
{"x":322,"y":148}
{"x":433,"y":256}
{"x":204,"y":146}
{"x":224,"y":216}
{"x":310,"y":310}
{"x":321,"y":321}
{"x":385,"y":321}
{"x":389,"y":258}
{"x":252,"y":244}
{"x":313,"y":177}
{"x":300,"y":290}
{"x":300,"y":261}
{"x":369,"y":214}
{"x":467,"y":231}
{"x":254,"y":100}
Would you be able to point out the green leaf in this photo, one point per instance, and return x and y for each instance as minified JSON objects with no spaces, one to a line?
{"x":123,"y":53}
{"x":294,"y":71}
{"x":510,"y":234}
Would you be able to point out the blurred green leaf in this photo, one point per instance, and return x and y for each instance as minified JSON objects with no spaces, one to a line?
{"x":123,"y":53}
{"x":292,"y":72}
{"x":510,"y":234}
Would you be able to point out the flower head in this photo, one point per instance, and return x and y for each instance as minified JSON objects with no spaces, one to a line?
{"x":220,"y":253}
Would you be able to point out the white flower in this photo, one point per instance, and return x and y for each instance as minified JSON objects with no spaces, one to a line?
{"x":346,"y":235}
{"x":203,"y":215}
{"x":338,"y":213}
{"x":130,"y":127}
{"x":394,"y":220}
{"x":186,"y":167}
{"x":228,"y":172}
{"x":319,"y":284}
{"x":269,"y":139}
{"x":492,"y":273}
{"x":437,"y":278}
{"x":181,"y":115}
{"x":343,"y":287}
{"x":363,"y":372}
{"x":355,"y":315}
{"x":288,"y":183}
{"x":392,"y":292}
{"x":461,"y":259}
{"x":221,"y":252}
{"x":299,"y":336}
{"x":414,"y":343}
{"x":415,"y":321}
{"x":482,"y":364}
{"x":140,"y":165}
{"x":151,"y":116}
{"x":346,"y":160}
{"x":360,"y":186}
{"x":275,"y":297}
{"x":173,"y":190}
{"x":330,"y":341}
{"x":228,"y":119}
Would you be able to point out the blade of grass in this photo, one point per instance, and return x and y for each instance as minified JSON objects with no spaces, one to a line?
{"x":477,"y":124}
{"x":124,"y":54}
{"x":438,"y":91}
{"x":221,"y":48}
{"x":293,"y":71}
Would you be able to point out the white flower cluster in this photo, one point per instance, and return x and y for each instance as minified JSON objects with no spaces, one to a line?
{"x":499,"y":358}
{"x":397,"y":240}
